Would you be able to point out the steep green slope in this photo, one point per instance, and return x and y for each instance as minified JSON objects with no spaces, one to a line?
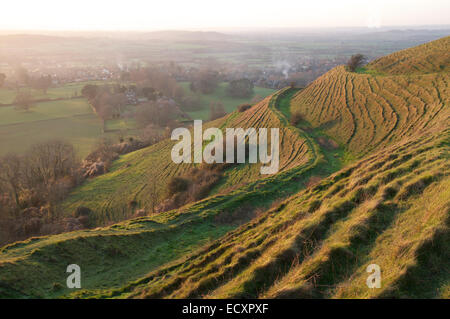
{"x":391,"y":209}
{"x":430,"y":57}
{"x":365,"y":112}
{"x":141,"y":175}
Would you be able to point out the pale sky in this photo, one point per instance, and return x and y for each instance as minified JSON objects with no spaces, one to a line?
{"x":210,"y":14}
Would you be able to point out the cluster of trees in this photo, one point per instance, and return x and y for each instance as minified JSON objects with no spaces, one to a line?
{"x":162,"y":113}
{"x":205,"y":81}
{"x":152,"y":134}
{"x":155,"y":114}
{"x":150,"y":93}
{"x":24,"y":101}
{"x":155,"y":79}
{"x":32,"y":186}
{"x":242,"y":88}
{"x":42,"y":82}
{"x":37,"y":177}
{"x":107,"y":101}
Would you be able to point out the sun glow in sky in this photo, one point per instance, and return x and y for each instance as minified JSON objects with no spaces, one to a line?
{"x":201,"y":14}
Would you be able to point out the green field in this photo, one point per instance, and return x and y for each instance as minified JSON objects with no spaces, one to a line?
{"x":44,"y":111}
{"x":71,"y":120}
{"x":124,"y":125}
{"x":66,"y":91}
{"x":220,"y":95}
{"x":74,"y":121}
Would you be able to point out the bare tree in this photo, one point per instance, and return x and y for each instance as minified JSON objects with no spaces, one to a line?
{"x":356,"y":61}
{"x":205,"y":81}
{"x":90,"y":91}
{"x":47,"y":162}
{"x":42,"y":83}
{"x":24,"y":101}
{"x":151,"y":134}
{"x":10,"y":175}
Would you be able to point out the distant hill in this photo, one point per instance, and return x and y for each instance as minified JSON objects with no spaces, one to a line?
{"x":177,"y":35}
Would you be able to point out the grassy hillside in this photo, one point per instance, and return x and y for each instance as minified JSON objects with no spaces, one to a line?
{"x":391,"y":209}
{"x":379,"y":197}
{"x":135,"y":176}
{"x":366,"y":112}
{"x":430,"y":57}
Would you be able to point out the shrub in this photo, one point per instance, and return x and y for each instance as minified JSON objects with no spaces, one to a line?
{"x":57,"y":286}
{"x":132,"y":203}
{"x":85,"y":221}
{"x":327,"y":143}
{"x":355,"y":62}
{"x":193,"y":186}
{"x":31,"y":226}
{"x":296,"y":118}
{"x":82,"y":211}
{"x":177,"y":184}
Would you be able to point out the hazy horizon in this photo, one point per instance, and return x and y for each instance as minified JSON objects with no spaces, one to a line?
{"x":135,"y":15}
